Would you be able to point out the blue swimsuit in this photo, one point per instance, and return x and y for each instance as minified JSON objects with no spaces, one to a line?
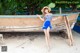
{"x":47,"y":22}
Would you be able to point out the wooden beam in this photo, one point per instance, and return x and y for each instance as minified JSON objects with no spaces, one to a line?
{"x":66,"y":20}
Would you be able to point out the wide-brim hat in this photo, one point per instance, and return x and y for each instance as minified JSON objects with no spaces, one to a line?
{"x":45,"y":8}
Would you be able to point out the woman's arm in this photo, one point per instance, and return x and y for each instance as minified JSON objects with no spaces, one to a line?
{"x":40,"y":18}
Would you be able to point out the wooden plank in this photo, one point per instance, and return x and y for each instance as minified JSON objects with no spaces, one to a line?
{"x":15,"y":24}
{"x":66,"y":20}
{"x":20,"y":22}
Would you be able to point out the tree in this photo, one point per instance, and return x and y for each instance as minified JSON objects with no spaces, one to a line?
{"x":7,"y":6}
{"x":10,"y":7}
{"x":33,"y":5}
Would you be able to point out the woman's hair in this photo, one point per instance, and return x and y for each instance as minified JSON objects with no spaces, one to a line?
{"x":44,"y":8}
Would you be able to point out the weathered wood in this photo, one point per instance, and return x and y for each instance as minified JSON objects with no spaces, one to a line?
{"x":25,"y":23}
{"x":69,"y":32}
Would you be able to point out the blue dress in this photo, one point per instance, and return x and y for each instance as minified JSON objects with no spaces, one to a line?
{"x":47,"y":22}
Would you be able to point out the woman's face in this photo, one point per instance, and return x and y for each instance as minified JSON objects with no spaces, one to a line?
{"x":46,"y":11}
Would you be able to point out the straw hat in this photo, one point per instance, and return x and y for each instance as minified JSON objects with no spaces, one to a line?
{"x":45,"y":8}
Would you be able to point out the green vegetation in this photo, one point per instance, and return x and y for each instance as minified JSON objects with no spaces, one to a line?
{"x":12,"y":7}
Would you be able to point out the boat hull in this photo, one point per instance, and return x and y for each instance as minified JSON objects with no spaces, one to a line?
{"x":30,"y":23}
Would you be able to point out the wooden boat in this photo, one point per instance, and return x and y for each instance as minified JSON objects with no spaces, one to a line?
{"x":30,"y":23}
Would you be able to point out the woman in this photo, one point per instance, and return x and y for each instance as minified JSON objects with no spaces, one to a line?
{"x":47,"y":17}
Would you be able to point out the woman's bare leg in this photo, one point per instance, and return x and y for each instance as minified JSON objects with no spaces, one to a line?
{"x":46,"y":37}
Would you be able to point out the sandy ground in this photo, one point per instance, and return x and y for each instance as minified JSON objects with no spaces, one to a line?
{"x":35,"y":43}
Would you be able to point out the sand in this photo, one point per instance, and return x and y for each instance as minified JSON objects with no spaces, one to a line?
{"x":35,"y":43}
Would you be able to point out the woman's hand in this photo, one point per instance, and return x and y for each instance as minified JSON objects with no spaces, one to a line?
{"x":40,"y":18}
